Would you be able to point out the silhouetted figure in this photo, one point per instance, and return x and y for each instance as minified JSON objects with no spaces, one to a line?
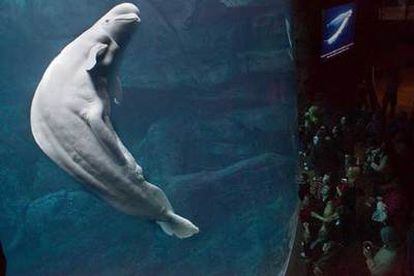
{"x":391,"y":93}
{"x":368,"y":100}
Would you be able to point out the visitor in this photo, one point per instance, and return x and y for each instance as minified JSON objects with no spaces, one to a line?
{"x":384,"y":261}
{"x":368,"y":200}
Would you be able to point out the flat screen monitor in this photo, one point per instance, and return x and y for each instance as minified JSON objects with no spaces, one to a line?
{"x":338,"y":30}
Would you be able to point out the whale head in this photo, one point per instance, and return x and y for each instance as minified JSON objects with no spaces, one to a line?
{"x":120,"y":22}
{"x":109,"y":36}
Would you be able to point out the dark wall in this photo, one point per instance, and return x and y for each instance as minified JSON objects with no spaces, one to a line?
{"x":333,"y":82}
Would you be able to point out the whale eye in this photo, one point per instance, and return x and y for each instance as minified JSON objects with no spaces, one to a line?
{"x":106,"y":20}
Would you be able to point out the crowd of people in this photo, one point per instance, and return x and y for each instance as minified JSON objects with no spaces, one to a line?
{"x":356,"y":189}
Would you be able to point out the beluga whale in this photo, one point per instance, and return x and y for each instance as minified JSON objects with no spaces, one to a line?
{"x":70,"y":122}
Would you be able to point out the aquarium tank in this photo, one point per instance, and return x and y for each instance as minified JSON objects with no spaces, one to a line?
{"x":208,"y":112}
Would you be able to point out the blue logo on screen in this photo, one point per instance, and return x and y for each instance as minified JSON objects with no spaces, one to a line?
{"x":338,"y":30}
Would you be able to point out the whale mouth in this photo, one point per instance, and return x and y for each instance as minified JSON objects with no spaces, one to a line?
{"x":131,"y":17}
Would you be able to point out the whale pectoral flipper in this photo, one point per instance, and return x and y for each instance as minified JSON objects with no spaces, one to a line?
{"x":106,"y":136}
{"x":95,"y":53}
{"x":116,"y":89}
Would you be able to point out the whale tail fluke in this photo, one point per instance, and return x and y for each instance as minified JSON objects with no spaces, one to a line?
{"x":178,"y":226}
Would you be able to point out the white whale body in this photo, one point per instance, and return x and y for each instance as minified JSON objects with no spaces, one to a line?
{"x":70,"y":121}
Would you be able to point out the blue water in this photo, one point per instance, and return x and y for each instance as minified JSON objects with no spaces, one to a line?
{"x":209,"y":112}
